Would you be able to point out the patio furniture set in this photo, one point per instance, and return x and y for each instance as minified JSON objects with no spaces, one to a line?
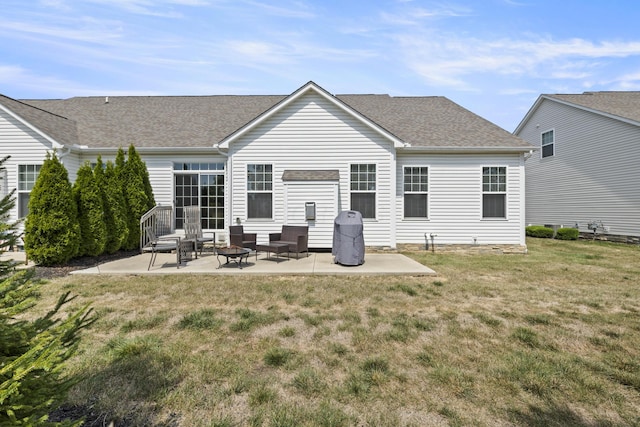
{"x":291,"y":239}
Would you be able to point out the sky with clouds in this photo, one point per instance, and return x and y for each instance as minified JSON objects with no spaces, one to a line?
{"x":493,"y":57}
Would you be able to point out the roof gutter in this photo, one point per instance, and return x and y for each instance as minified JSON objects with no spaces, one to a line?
{"x":151,"y":150}
{"x":222,"y":153}
{"x":468,"y":150}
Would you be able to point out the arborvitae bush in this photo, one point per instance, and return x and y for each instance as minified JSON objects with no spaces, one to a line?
{"x":539,"y":231}
{"x":91,"y":210}
{"x":114,"y":206}
{"x":52,"y":232}
{"x":137,"y":190}
{"x":567,"y":234}
{"x":33,"y":349}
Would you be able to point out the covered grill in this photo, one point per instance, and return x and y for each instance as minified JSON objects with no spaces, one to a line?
{"x":348,"y":238}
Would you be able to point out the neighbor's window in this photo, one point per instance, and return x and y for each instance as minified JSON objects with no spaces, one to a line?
{"x":494,"y":192}
{"x":363,"y":189}
{"x":548,"y":144}
{"x":259,"y":191}
{"x":416,"y":191}
{"x":27,"y":176}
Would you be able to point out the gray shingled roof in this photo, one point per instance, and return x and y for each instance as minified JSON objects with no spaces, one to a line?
{"x":158,"y":121}
{"x":201,"y":121}
{"x":59,"y":128}
{"x":311,"y":175}
{"x":621,"y":104}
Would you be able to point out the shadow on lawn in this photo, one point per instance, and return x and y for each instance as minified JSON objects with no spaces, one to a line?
{"x":555,"y":415}
{"x":126,"y":390}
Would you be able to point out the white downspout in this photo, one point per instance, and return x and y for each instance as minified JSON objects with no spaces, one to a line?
{"x":228,"y":184}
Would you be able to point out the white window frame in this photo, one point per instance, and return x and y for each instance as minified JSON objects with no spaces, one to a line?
{"x":200,"y":169}
{"x":373,"y":191}
{"x":260,"y":191}
{"x":28,"y":185}
{"x":552,"y":143}
{"x":419,"y":192}
{"x":494,"y":188}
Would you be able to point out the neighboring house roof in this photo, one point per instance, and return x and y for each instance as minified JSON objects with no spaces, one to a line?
{"x":202,"y":121}
{"x":623,"y":106}
{"x":60,"y":129}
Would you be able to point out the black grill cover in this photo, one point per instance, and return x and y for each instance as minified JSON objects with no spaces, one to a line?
{"x":348,"y":238}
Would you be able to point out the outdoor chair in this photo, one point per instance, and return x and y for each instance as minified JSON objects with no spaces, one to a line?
{"x":193,"y":229}
{"x":237,"y":237}
{"x":164,"y":244}
{"x":296,"y":236}
{"x":193,"y":233}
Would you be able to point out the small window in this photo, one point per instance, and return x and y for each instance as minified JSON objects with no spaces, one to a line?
{"x":363,"y":189}
{"x":416,"y":191}
{"x":27,"y":176}
{"x":494,"y":192}
{"x":259,"y":191}
{"x":548,"y":144}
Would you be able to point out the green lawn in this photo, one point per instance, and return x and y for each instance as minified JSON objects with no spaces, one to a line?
{"x":548,"y":338}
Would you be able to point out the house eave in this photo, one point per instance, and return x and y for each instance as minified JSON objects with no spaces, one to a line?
{"x":466,"y":150}
{"x":152,"y":150}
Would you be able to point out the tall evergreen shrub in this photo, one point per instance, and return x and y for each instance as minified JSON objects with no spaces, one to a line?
{"x":52,"y":232}
{"x":33,"y":349}
{"x":89,"y":199}
{"x":137,"y":190}
{"x":113,"y":201}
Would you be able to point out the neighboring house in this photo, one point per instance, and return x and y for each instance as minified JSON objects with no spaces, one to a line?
{"x":413,"y":166}
{"x":586,"y":170}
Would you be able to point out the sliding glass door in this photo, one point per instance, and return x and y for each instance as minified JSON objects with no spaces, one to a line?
{"x":203,"y":186}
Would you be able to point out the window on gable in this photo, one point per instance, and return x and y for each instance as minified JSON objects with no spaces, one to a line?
{"x":363,"y":189}
{"x":27,"y":176}
{"x":548,"y":140}
{"x":494,"y":192}
{"x":259,"y":191}
{"x":416,"y":191}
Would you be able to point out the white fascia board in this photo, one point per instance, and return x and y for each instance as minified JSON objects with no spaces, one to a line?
{"x":54,"y":144}
{"x":570,"y":104}
{"x":467,"y":150}
{"x":153,"y":150}
{"x":311,"y":86}
{"x":533,"y":108}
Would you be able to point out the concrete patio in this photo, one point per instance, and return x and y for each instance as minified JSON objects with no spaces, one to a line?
{"x":315,"y":263}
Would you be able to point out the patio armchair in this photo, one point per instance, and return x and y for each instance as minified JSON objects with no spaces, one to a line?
{"x":237,"y":237}
{"x":193,"y":233}
{"x":163,"y":244}
{"x":296,"y":236}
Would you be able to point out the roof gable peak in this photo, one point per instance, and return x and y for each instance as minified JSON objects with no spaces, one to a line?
{"x":308,"y":87}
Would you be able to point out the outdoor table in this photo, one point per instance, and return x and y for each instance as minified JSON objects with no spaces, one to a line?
{"x":276,"y":248}
{"x":233,"y":254}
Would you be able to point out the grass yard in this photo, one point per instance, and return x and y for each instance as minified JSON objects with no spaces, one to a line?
{"x":549,"y":338}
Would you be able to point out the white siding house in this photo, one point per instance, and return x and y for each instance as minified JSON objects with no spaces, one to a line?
{"x":586,"y":168}
{"x":263,"y":161}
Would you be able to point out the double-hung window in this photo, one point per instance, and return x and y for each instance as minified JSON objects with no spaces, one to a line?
{"x":494,"y":192}
{"x":27,"y":176}
{"x":363,"y":189}
{"x":259,"y":191}
{"x":416,"y":191}
{"x":548,"y":143}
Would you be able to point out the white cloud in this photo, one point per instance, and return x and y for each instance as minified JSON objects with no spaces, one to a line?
{"x":448,"y":59}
